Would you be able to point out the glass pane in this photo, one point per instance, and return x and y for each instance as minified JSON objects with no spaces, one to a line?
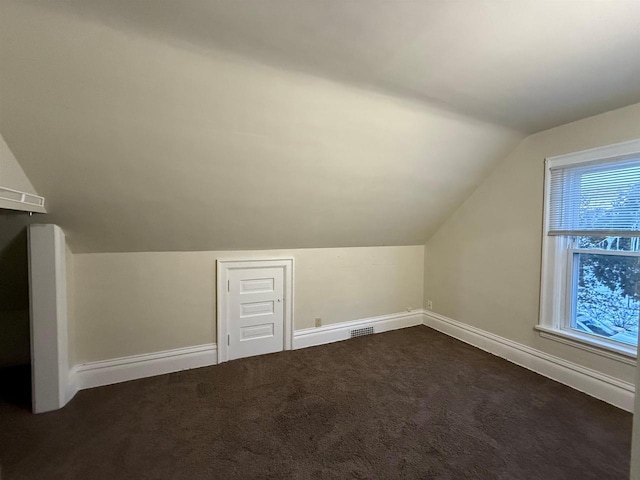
{"x":617,"y":244}
{"x":606,"y":300}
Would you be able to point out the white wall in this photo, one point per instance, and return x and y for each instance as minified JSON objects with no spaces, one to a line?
{"x":134,"y":303}
{"x":71,"y":301}
{"x":482,"y":267}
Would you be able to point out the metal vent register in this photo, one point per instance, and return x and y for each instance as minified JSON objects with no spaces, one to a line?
{"x":361,"y":332}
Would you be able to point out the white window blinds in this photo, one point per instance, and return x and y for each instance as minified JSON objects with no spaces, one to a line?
{"x":595,"y":198}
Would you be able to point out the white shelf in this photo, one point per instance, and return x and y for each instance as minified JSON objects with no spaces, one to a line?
{"x":23,"y":198}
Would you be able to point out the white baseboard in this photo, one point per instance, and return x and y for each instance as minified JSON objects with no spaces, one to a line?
{"x":336,"y":332}
{"x":604,"y":387}
{"x":72,"y":385}
{"x":107,"y":372}
{"x":591,"y":382}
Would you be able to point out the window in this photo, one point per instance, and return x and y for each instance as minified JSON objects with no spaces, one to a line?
{"x":590,"y":295}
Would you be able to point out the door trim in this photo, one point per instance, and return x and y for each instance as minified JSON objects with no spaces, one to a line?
{"x":223,"y":268}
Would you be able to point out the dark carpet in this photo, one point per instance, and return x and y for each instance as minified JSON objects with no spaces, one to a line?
{"x":411,"y":403}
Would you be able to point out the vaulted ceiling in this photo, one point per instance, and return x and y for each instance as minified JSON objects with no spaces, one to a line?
{"x":162,"y":125}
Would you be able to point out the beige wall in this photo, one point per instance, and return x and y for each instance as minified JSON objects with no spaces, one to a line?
{"x":133,"y":303}
{"x":482,"y":267}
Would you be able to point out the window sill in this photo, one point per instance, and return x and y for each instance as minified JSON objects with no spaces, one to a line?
{"x":622,"y":353}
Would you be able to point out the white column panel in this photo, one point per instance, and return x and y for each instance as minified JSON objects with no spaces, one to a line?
{"x":48,"y":299}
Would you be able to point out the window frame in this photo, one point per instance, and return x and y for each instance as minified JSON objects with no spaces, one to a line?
{"x":556,"y":295}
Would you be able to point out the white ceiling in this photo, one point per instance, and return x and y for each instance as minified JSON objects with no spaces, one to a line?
{"x":219,"y":125}
{"x":526,"y":64}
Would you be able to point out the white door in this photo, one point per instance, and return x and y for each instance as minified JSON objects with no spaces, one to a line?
{"x":255,"y":311}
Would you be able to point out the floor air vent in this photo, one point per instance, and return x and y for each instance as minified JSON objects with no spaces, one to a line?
{"x":361,"y":332}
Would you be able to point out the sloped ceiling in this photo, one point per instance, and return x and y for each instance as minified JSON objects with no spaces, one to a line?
{"x":199,"y":125}
{"x":526,"y":64}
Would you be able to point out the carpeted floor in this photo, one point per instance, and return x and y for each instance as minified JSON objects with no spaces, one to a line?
{"x":411,"y":403}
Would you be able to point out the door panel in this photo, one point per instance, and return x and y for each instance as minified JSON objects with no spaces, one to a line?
{"x":257,"y":331}
{"x":256,"y":308}
{"x":255,"y":311}
{"x":256,"y":285}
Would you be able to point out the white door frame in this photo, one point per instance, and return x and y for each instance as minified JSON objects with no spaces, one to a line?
{"x":222,"y":278}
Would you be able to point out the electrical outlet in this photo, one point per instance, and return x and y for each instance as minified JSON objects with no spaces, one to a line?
{"x":429,"y":305}
{"x":318,"y":322}
{"x":409,"y":308}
